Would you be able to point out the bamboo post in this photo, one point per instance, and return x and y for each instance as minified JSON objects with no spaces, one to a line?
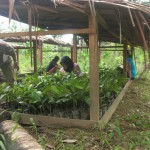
{"x":41,"y":52}
{"x":74,"y":49}
{"x":94,"y":71}
{"x":124,"y":59}
{"x":35,"y":55}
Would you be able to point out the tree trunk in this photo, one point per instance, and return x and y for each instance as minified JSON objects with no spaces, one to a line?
{"x":17,"y":138}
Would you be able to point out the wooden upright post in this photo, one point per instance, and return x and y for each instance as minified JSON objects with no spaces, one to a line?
{"x":74,"y":49}
{"x":144,"y":59}
{"x":132,"y":50}
{"x":124,"y":59}
{"x":41,"y":52}
{"x":94,"y":71}
{"x":149,"y":50}
{"x":35,"y":55}
{"x":17,"y":51}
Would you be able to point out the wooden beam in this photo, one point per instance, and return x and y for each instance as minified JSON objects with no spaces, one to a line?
{"x":48,"y":32}
{"x":141,"y":32}
{"x":94,"y":71}
{"x":74,"y":48}
{"x":144,"y":59}
{"x":55,"y":122}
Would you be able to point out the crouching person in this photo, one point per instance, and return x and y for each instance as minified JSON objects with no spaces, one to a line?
{"x":6,"y":53}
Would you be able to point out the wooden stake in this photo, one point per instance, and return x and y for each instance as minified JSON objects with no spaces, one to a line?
{"x":74,"y":49}
{"x":94,"y":72}
{"x":149,"y":51}
{"x":144,"y":60}
{"x":125,"y":59}
{"x":35,"y":55}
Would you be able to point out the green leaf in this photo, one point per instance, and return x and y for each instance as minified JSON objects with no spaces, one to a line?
{"x":87,"y":100}
{"x":2,"y":145}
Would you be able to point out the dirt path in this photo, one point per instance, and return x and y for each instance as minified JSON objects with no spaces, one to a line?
{"x":129,"y":128}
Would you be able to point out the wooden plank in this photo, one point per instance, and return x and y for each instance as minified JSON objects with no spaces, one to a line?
{"x":74,"y":48}
{"x":48,"y":32}
{"x":94,"y":72}
{"x":55,"y":122}
{"x":108,"y":114}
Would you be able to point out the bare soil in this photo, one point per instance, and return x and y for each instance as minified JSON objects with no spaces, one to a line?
{"x":128,"y":129}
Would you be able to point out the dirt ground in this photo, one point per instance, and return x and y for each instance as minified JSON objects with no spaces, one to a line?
{"x":128,"y":129}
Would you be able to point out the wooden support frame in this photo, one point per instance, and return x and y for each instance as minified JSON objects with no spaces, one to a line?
{"x":74,"y":49}
{"x":17,"y":52}
{"x":144,"y":59}
{"x":124,"y":59}
{"x":48,"y":121}
{"x":35,"y":55}
{"x":52,"y":32}
{"x":149,"y":51}
{"x":141,"y":32}
{"x":94,"y":71}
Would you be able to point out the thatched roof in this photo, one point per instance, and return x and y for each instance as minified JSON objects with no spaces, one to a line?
{"x":118,"y":20}
{"x":43,"y":39}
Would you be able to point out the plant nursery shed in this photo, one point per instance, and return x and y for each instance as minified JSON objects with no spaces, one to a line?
{"x":116,"y":21}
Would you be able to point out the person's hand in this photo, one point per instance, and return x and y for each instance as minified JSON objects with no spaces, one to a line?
{"x":16,"y":66}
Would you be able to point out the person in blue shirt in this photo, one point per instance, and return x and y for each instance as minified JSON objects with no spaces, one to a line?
{"x":131,"y":68}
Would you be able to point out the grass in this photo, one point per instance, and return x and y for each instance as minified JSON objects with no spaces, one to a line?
{"x":127,"y":130}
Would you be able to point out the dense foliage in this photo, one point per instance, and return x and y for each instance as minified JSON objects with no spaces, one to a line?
{"x":58,"y":94}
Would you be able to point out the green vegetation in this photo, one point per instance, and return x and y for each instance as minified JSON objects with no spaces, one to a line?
{"x":58,"y":94}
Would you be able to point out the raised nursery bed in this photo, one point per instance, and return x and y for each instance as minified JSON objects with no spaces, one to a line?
{"x":70,"y":95}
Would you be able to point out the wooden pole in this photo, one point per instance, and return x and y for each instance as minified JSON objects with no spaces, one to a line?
{"x":41,"y":52}
{"x":72,"y":53}
{"x":141,"y":32}
{"x":17,"y":50}
{"x":124,"y":59}
{"x":149,"y":50}
{"x":48,"y":32}
{"x":94,"y":71}
{"x":74,"y":49}
{"x":35,"y":55}
{"x":132,"y":50}
{"x":144,"y":59}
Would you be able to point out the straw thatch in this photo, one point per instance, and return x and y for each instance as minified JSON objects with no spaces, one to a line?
{"x":118,"y":20}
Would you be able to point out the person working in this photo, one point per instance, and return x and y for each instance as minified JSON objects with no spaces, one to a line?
{"x":6,"y":52}
{"x":131,"y":68}
{"x":69,"y":66}
{"x":53,"y":66}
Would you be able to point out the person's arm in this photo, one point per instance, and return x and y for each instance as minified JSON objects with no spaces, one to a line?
{"x":77,"y":69}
